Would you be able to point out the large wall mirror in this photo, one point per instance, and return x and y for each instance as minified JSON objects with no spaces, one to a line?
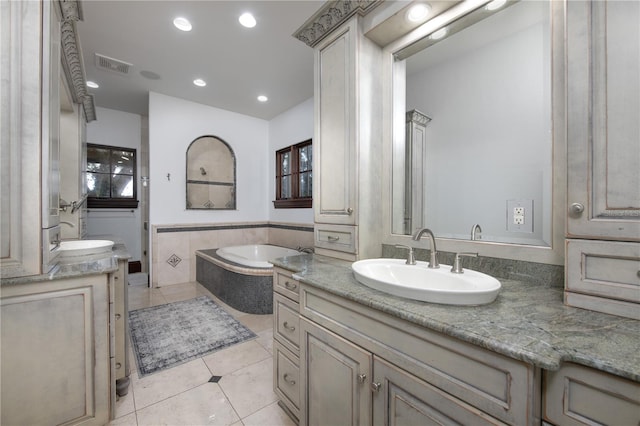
{"x":211,"y":175}
{"x":474,"y":125}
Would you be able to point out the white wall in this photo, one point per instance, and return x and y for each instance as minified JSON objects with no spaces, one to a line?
{"x":289,"y":128}
{"x":117,"y":128}
{"x":175,"y":123}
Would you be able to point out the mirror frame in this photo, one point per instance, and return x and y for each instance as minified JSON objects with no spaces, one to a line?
{"x":391,"y":115}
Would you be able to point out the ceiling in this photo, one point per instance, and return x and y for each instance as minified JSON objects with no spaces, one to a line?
{"x":237,"y":63}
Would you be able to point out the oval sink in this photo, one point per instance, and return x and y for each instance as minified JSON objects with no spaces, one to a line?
{"x":418,"y":282}
{"x":84,"y":247}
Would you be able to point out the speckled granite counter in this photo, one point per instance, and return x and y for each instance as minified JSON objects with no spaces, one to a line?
{"x":76,"y":266}
{"x":528,"y":322}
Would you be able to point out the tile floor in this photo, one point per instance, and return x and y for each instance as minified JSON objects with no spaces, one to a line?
{"x":183,"y":395}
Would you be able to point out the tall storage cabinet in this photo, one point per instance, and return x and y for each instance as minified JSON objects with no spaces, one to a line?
{"x":603,"y":228}
{"x":347,"y":158}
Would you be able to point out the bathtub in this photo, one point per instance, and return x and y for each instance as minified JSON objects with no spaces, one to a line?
{"x":241,"y":276}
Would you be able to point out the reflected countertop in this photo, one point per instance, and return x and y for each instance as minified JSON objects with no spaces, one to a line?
{"x":77,"y":266}
{"x":528,"y":322}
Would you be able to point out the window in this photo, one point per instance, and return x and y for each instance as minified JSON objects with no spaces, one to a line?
{"x":294,"y":177}
{"x":111,"y":177}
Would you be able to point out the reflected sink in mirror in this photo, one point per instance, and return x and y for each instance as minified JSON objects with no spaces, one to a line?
{"x":419,"y":282}
{"x":84,"y":247}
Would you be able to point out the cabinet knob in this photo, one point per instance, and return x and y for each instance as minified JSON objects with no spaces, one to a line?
{"x":290,"y":286}
{"x":118,"y":316}
{"x":288,"y":327}
{"x":375,"y":386}
{"x":118,"y":366}
{"x":362,"y":378}
{"x":349,"y":210}
{"x":576,"y":209}
{"x":288,"y":380}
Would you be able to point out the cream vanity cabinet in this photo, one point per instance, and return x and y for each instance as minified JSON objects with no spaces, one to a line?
{"x":286,"y":345}
{"x":359,"y":366}
{"x":56,"y":352}
{"x":347,"y":143}
{"x":603,"y":227}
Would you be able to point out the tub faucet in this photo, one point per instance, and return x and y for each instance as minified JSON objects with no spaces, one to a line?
{"x":433,"y":260}
{"x":475,"y":232}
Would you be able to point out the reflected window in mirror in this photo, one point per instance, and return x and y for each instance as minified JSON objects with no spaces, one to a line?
{"x":486,"y":87}
{"x":211,"y":175}
{"x":294,"y":176}
{"x":111,"y":177}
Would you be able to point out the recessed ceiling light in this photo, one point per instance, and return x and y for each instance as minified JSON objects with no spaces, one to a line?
{"x":182,"y":24}
{"x":262,"y":98}
{"x":199,"y":82}
{"x":495,"y":4}
{"x":418,"y":12}
{"x":92,"y":84}
{"x":439,"y":34}
{"x":247,"y":20}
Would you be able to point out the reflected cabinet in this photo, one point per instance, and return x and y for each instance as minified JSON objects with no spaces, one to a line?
{"x":211,"y":175}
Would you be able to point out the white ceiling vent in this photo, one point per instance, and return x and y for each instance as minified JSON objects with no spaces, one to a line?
{"x":110,"y":64}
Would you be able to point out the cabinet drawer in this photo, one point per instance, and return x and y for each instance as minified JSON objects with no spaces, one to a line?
{"x":286,"y":322}
{"x":336,"y":237}
{"x":287,"y":377}
{"x":609,"y":269}
{"x":284,"y":284}
{"x":498,"y":385}
{"x":578,"y":395}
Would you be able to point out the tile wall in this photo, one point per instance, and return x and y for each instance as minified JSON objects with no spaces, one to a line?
{"x":174,"y":246}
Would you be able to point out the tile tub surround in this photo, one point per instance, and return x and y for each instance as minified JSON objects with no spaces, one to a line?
{"x":173,"y":258}
{"x":248,"y":290}
{"x":527,"y":322}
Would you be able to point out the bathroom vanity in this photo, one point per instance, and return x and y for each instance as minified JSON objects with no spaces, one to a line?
{"x":64,"y":342}
{"x":348,"y":354}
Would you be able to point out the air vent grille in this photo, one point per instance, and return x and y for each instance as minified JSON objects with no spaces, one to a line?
{"x":110,"y":64}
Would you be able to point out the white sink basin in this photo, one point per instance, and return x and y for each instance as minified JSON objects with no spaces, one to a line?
{"x":418,"y":282}
{"x":84,"y":247}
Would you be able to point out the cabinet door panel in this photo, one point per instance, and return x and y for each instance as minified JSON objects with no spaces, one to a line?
{"x":334,"y":388}
{"x":404,"y":399}
{"x":603,"y":127}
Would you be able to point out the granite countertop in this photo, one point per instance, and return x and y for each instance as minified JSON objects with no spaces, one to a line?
{"x":77,"y":266}
{"x":528,"y":322}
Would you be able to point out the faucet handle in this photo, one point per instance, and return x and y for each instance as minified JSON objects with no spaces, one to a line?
{"x":411,"y":259}
{"x":457,"y":263}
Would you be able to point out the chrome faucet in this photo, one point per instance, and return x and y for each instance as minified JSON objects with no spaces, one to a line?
{"x":475,"y":232}
{"x":433,"y":260}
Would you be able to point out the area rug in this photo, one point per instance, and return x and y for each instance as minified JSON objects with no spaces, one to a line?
{"x":168,"y":335}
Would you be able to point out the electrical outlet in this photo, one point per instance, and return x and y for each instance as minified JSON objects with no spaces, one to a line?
{"x":520,"y":216}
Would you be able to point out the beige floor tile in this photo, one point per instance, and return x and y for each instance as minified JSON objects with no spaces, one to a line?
{"x":235,"y":357}
{"x":125,"y":404}
{"x":167,"y":383}
{"x":271,"y":415}
{"x":257,"y":323}
{"x":128,"y":420}
{"x":251,"y":388}
{"x":203,"y":405}
{"x":144,"y":298}
{"x":265,"y":339}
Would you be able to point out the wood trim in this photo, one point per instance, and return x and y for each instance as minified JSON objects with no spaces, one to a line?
{"x":293,"y":203}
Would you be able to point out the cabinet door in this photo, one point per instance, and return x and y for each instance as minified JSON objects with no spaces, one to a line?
{"x":603,"y":128}
{"x":334,"y":378}
{"x":402,"y":399}
{"x":335,"y":167}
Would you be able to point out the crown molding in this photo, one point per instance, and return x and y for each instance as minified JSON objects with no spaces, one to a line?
{"x":72,"y":63}
{"x":330,"y":16}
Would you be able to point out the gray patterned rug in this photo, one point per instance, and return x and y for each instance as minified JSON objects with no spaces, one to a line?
{"x":167,"y":335}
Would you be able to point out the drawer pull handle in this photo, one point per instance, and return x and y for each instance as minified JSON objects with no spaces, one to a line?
{"x":375,"y":386}
{"x":118,"y":316}
{"x":290,"y":286}
{"x":288,"y":380}
{"x":332,"y":238}
{"x":288,"y":327}
{"x":362,"y":378}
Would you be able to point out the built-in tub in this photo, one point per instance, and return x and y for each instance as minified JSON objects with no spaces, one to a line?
{"x":241,"y":276}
